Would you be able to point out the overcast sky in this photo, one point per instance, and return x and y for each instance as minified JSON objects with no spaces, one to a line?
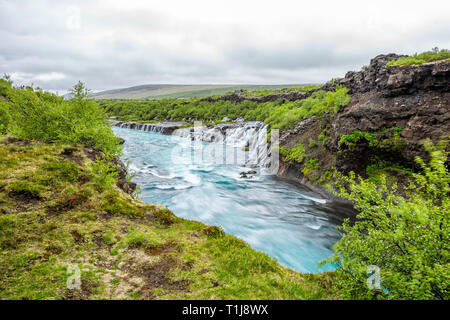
{"x":113,"y":44}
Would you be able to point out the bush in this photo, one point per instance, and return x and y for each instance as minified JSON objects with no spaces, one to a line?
{"x":46,"y":117}
{"x":424,"y":57}
{"x":5,"y":117}
{"x":294,"y":154}
{"x":407,"y":238}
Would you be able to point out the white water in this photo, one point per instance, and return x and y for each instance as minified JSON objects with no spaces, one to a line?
{"x":245,"y":135}
{"x":291,"y":224}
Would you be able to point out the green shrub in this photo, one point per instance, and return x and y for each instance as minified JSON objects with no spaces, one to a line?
{"x":5,"y":117}
{"x":424,"y":57}
{"x":407,"y":238}
{"x":350,"y":140}
{"x":44,"y":116}
{"x":294,"y":154}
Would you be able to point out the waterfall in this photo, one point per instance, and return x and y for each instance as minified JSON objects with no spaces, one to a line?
{"x":250,"y":137}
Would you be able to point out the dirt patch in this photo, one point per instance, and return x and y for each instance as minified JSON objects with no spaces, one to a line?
{"x":20,"y":142}
{"x":72,"y":154}
{"x":157,"y":275}
{"x":93,"y":154}
{"x":77,"y":236}
{"x":161,"y":249}
{"x":105,"y":215}
{"x":51,"y":250}
{"x":85,"y":291}
{"x":24,"y":196}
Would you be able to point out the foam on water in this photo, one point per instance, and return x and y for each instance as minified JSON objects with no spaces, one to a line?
{"x":291,"y":224}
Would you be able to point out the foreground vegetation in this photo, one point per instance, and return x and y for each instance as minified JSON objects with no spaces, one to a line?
{"x":405,"y":238}
{"x":60,"y":209}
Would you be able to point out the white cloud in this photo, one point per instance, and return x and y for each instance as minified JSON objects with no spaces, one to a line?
{"x":47,"y":77}
{"x":110,"y":44}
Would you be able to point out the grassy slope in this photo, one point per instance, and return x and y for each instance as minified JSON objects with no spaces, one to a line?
{"x":56,"y":211}
{"x":184,"y":91}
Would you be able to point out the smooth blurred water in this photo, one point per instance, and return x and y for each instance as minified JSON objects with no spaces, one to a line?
{"x":288,"y":223}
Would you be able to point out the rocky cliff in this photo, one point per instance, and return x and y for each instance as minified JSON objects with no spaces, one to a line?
{"x":392,"y":109}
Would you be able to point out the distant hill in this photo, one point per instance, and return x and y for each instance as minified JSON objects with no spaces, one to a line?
{"x":160,"y":91}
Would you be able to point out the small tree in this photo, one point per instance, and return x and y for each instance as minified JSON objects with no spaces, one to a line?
{"x":80,"y":91}
{"x":406,"y":238}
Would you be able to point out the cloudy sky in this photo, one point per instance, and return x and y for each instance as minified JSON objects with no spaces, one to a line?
{"x":113,"y":44}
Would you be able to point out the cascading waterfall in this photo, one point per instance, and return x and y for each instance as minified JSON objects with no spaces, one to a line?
{"x":290,"y":224}
{"x":250,"y":137}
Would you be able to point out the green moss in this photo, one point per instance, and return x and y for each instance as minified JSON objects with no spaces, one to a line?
{"x":25,"y":189}
{"x":112,"y":236}
{"x":115,"y":205}
{"x":109,"y":238}
{"x":165,"y":216}
{"x":138,"y":239}
{"x":213,"y":232}
{"x":87,"y":216}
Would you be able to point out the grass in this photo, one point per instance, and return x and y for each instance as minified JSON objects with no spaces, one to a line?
{"x":57,"y":213}
{"x":417,"y":59}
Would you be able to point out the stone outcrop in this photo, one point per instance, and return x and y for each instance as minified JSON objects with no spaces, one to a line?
{"x":395,"y":80}
{"x":413,"y":100}
{"x":239,"y":96}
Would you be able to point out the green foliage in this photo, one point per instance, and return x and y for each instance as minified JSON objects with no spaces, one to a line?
{"x":350,"y":140}
{"x":105,"y":170}
{"x":407,"y":237}
{"x":416,"y":59}
{"x":294,"y":154}
{"x":5,"y":117}
{"x":279,"y":114}
{"x":386,"y":139}
{"x":320,"y":102}
{"x":30,"y":114}
{"x":312,"y":143}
